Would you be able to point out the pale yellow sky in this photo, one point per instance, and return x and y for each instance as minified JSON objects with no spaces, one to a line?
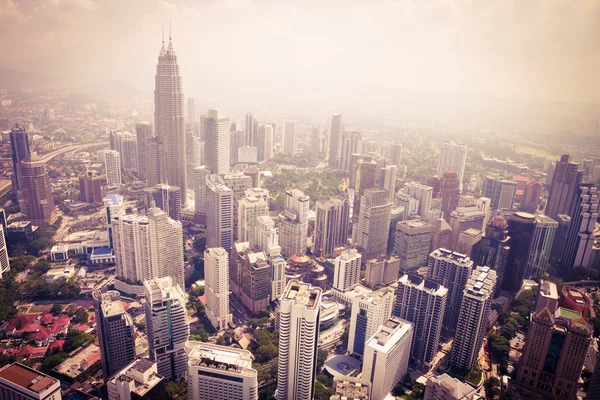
{"x":514,"y":49}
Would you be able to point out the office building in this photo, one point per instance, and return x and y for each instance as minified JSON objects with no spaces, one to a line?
{"x":463,"y":218}
{"x":348,"y":387}
{"x":249,"y":209}
{"x":396,"y":215}
{"x":382,"y":271}
{"x":520,"y":229}
{"x":166,"y":326}
{"x":255,"y":281}
{"x":396,"y":154}
{"x":148,"y":247}
{"x":493,"y":248}
{"x":36,"y":200}
{"x":541,"y":245}
{"x":298,"y":317}
{"x":277,"y":277}
{"x":467,"y":240}
{"x":239,"y":182}
{"x":113,"y":205}
{"x":445,"y":387}
{"x":452,"y":159}
{"x":346,"y":273}
{"x":19,"y":146}
{"x":315,"y":142}
{"x":408,"y":205}
{"x":165,"y":197}
{"x":441,"y":234}
{"x":112,"y":166}
{"x":386,"y":356}
{"x":293,"y":223}
{"x":501,"y":191}
{"x":331,"y":225}
{"x":216,"y":272}
{"x":116,"y":332}
{"x":554,"y":352}
{"x":335,"y":141}
{"x":411,"y":243}
{"x":169,"y":118}
{"x":266,"y":236}
{"x":547,"y":296}
{"x":450,"y":188}
{"x":125,"y":143}
{"x":562,"y":196}
{"x":351,"y":143}
{"x":138,"y":380}
{"x":388,"y":179}
{"x":473,"y":318}
{"x":19,"y":382}
{"x":219,"y":214}
{"x":220,"y":373}
{"x":201,"y":175}
{"x":451,"y":270}
{"x":156,"y":168}
{"x":369,"y":311}
{"x":217,"y":142}
{"x":4,"y":261}
{"x":288,"y":138}
{"x":90,"y":187}
{"x":422,"y":301}
{"x":423,"y":194}
{"x":580,"y":239}
{"x":372,"y":229}
{"x":269,"y":141}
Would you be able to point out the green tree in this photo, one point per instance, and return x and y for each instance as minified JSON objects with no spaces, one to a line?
{"x":56,"y":309}
{"x":81,"y":316}
{"x":266,"y":352}
{"x":50,"y":362}
{"x":321,"y":358}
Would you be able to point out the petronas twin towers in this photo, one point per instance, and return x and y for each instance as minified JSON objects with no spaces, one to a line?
{"x":169,"y":120}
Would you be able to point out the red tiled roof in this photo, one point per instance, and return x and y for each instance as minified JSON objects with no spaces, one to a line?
{"x":22,"y":320}
{"x":82,"y":327}
{"x":57,"y":344}
{"x":47,"y":319}
{"x":42,"y":334}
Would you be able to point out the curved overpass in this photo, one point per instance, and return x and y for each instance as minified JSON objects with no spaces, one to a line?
{"x":70,"y":149}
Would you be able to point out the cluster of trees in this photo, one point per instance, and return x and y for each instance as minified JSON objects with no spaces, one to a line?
{"x":73,"y":340}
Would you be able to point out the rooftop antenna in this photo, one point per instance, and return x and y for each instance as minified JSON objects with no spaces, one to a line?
{"x":163,"y":33}
{"x":169,"y":30}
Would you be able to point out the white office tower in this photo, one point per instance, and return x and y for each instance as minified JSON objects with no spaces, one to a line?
{"x":269,"y":141}
{"x":369,"y":312}
{"x":112,"y":165}
{"x":217,"y":142}
{"x":473,"y":318}
{"x":332,"y":216}
{"x":411,"y":243}
{"x":277,"y":277}
{"x":388,"y":179}
{"x":408,"y":205}
{"x":266,"y":236}
{"x":216,"y":273}
{"x":166,"y":326}
{"x":293,"y":223}
{"x":219,"y":214}
{"x":148,"y":247}
{"x":4,"y":262}
{"x":169,"y":118}
{"x":451,"y":270}
{"x":220,"y":373}
{"x":452,"y":158}
{"x":346,"y":272}
{"x":126,"y":144}
{"x":249,"y":209}
{"x":422,"y":302}
{"x":544,"y":231}
{"x":386,"y":356}
{"x":288,"y":138}
{"x":335,"y":141}
{"x":373,"y":223}
{"x":423,"y":194}
{"x":201,"y":175}
{"x":138,"y":380}
{"x":298,"y":316}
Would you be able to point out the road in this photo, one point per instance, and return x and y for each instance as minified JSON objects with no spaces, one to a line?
{"x":70,"y":149}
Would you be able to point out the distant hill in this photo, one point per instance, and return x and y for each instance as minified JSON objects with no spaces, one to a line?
{"x":10,"y":78}
{"x":111,"y":89}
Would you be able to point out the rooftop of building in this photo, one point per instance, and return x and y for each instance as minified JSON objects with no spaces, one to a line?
{"x":548,"y":289}
{"x":79,"y":362}
{"x":302,"y":294}
{"x":393,"y":328}
{"x":342,"y":365}
{"x":458,"y":389}
{"x":207,"y":355}
{"x":472,"y":232}
{"x":136,"y":374}
{"x":426,"y":284}
{"x":110,"y":303}
{"x":416,"y":224}
{"x":27,"y":378}
{"x":348,"y":387}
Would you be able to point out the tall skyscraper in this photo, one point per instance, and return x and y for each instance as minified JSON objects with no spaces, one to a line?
{"x":369,"y":311}
{"x":451,"y":270}
{"x":373,"y":223}
{"x":386,"y":356}
{"x":502,"y":192}
{"x":350,"y":144}
{"x":520,"y":229}
{"x":148,"y":247}
{"x":201,"y":175}
{"x":346,"y":272}
{"x":169,"y":118}
{"x":422,"y":301}
{"x":335,"y":138}
{"x":288,"y":138}
{"x":90,"y":187}
{"x":254,"y":282}
{"x":578,"y":249}
{"x":388,"y":179}
{"x":293,"y":223}
{"x":216,"y":267}
{"x":250,"y":133}
{"x":116,"y":334}
{"x":382,"y":271}
{"x":562,"y":196}
{"x":331,"y":225}
{"x":112,"y":165}
{"x":541,"y":244}
{"x":396,"y":154}
{"x":139,"y":380}
{"x":463,"y":218}
{"x":125,"y":143}
{"x":250,"y":208}
{"x":166,"y":326}
{"x":411,"y":243}
{"x":452,"y":159}
{"x":423,"y":194}
{"x":298,"y":315}
{"x":156,"y":169}
{"x":554,"y":352}
{"x":450,"y":188}
{"x":266,"y":236}
{"x":269,"y":141}
{"x":473,"y":318}
{"x":219,"y":214}
{"x":19,"y":146}
{"x":165,"y":197}
{"x":36,"y":200}
{"x":143,"y":131}
{"x":19,"y":382}
{"x":217,"y":148}
{"x":315,"y":142}
{"x":440,"y":235}
{"x":220,"y":373}
{"x":4,"y":261}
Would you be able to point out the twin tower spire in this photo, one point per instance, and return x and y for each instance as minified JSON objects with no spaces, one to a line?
{"x":170,"y":47}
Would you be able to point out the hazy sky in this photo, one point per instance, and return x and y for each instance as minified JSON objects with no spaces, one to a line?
{"x":515,"y":49}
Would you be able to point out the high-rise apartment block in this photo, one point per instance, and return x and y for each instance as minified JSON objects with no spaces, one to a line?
{"x":165,"y":197}
{"x":331,"y":225}
{"x":90,"y":187}
{"x":473,"y":318}
{"x":266,"y":236}
{"x":4,"y":261}
{"x":293,"y":223}
{"x":422,"y":301}
{"x":423,"y":194}
{"x":201,"y":175}
{"x":501,"y":191}
{"x":372,"y":229}
{"x":562,"y":196}
{"x":249,"y":209}
{"x":298,"y":317}
{"x":346,"y":273}
{"x":166,"y":326}
{"x":453,"y":158}
{"x":463,"y":218}
{"x":19,"y":146}
{"x":219,"y":214}
{"x":125,"y":143}
{"x":19,"y":382}
{"x":288,"y":138}
{"x":335,"y":139}
{"x":216,"y":267}
{"x":116,"y":333}
{"x":156,"y":168}
{"x":382,"y":271}
{"x":112,"y":166}
{"x":36,"y":200}
{"x":580,"y":239}
{"x":143,"y":132}
{"x":450,"y":188}
{"x":220,"y":373}
{"x":386,"y":356}
{"x":217,"y":148}
{"x":411,"y":243}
